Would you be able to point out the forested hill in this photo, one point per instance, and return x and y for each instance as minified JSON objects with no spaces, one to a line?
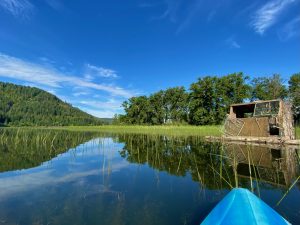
{"x":29,"y":106}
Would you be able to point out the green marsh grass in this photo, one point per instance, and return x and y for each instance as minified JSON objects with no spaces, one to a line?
{"x":156,"y":130}
{"x":168,"y":130}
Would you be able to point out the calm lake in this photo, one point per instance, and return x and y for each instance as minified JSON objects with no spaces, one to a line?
{"x":60,"y":177}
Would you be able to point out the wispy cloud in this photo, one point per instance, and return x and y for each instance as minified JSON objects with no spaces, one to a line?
{"x":55,"y":4}
{"x":19,"y":69}
{"x":110,"y":104}
{"x":268,"y":14}
{"x":290,"y":30}
{"x":232,"y":43}
{"x":180,"y":13}
{"x":101,"y":113}
{"x":171,"y":10}
{"x":192,"y":11}
{"x":148,"y":4}
{"x":102,"y":109}
{"x":92,"y":71}
{"x":211,"y":15}
{"x":18,"y":8}
{"x":81,"y":93}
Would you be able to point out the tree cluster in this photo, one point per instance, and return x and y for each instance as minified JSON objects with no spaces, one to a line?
{"x":28,"y":106}
{"x":208,"y":99}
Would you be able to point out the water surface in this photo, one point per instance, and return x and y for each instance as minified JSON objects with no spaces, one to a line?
{"x":59,"y":177}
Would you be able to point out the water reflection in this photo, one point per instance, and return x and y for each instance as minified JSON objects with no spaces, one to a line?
{"x":215,"y":165}
{"x":27,"y":148}
{"x":275,"y":165}
{"x":59,"y":177}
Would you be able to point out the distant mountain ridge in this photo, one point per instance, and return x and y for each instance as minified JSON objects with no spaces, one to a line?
{"x":30,"y":106}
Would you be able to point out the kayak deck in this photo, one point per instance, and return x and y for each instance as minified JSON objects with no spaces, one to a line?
{"x":240,"y":207}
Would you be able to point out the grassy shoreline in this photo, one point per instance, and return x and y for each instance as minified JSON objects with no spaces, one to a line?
{"x":181,"y":130}
{"x":154,"y":130}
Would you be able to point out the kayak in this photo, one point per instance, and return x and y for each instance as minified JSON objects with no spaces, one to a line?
{"x":240,"y":207}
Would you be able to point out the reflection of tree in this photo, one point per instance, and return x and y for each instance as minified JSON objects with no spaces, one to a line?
{"x":212,"y":164}
{"x":26,"y":148}
{"x":179,"y":156}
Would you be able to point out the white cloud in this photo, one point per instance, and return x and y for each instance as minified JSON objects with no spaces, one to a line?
{"x":55,"y":4}
{"x":268,"y":14}
{"x":100,"y":113}
{"x":193,"y":11}
{"x":81,"y":93}
{"x":211,"y":15}
{"x":92,"y":71}
{"x":18,"y":8}
{"x":18,"y":69}
{"x":88,"y":77}
{"x":102,"y":109}
{"x":232,"y":43}
{"x":290,"y":29}
{"x":110,"y":104}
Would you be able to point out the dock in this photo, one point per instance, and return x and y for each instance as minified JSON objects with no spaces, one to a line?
{"x":254,"y":140}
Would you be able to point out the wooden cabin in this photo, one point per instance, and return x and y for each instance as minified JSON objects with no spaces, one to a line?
{"x":263,"y":119}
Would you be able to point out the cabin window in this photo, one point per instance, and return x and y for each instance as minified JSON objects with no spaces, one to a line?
{"x":266,"y":108}
{"x":244,"y":111}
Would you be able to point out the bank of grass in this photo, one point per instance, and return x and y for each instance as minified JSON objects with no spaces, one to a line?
{"x":181,"y":130}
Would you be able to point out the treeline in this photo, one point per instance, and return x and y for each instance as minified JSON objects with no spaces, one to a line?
{"x":28,"y":106}
{"x":207,"y":100}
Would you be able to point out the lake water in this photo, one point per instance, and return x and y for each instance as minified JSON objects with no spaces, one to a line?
{"x":58,"y":177}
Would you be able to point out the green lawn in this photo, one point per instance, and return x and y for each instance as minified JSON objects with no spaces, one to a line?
{"x":159,"y":130}
{"x":298,"y":132}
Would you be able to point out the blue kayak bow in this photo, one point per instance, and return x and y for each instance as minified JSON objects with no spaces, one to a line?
{"x":240,"y":207}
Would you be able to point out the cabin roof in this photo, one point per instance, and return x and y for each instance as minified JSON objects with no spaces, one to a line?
{"x":255,"y":102}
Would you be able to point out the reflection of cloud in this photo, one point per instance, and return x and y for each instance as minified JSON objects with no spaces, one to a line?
{"x":11,"y":185}
{"x":72,"y":166}
{"x":26,"y":182}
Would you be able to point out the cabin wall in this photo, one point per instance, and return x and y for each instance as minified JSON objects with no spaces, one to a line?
{"x":288,"y":122}
{"x":255,"y":127}
{"x":231,"y":115}
{"x":273,"y":125}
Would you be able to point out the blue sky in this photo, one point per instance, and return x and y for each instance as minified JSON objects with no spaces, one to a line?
{"x":96,"y":54}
